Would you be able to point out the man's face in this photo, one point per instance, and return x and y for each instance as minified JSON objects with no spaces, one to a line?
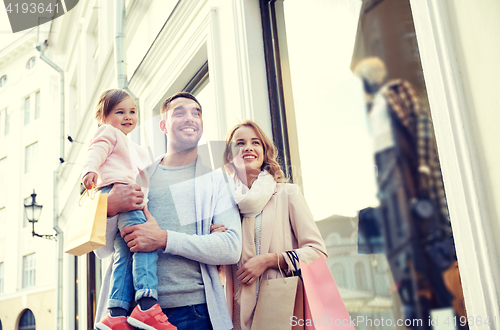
{"x":182,"y":123}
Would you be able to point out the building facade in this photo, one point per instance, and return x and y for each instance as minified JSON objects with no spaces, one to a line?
{"x":28,"y":97}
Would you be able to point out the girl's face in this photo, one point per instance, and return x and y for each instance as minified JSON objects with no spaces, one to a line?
{"x":250,"y":152}
{"x":123,"y":116}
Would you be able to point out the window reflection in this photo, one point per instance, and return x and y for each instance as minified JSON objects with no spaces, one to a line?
{"x":370,"y":172}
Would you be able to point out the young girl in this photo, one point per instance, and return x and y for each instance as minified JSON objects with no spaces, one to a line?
{"x":115,"y":159}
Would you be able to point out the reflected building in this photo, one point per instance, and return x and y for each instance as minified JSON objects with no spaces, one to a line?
{"x":364,"y":280}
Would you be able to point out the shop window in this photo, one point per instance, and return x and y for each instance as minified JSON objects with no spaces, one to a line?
{"x":202,"y":89}
{"x":31,"y":63}
{"x":3,"y":81}
{"x":29,"y":271}
{"x":27,"y":320}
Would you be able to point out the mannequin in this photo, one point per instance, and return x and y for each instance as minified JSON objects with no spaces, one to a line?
{"x":413,"y":208}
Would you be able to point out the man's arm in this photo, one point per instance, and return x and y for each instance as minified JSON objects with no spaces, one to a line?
{"x":124,"y":198}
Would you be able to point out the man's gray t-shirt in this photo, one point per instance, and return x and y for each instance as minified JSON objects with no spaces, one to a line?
{"x":179,"y":279}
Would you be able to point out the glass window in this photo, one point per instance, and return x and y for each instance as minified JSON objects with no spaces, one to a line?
{"x":37,"y":105}
{"x":27,"y":320}
{"x":27,"y":111}
{"x":31,"y":63}
{"x":3,"y":80}
{"x":29,"y":269}
{"x":1,"y":276}
{"x":362,"y":139}
{"x":31,"y":157}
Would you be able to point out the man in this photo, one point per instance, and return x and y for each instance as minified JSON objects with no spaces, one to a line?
{"x":185,"y":198}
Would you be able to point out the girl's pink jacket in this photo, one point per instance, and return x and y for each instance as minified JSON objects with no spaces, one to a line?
{"x":114,"y":157}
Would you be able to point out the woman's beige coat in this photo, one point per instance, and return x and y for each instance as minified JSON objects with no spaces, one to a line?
{"x":287,"y":224}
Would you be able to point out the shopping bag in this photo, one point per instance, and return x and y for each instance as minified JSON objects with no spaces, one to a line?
{"x":275,"y":304}
{"x":87,"y":229}
{"x":323,"y":305}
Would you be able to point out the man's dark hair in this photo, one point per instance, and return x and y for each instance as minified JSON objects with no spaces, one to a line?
{"x":186,"y":95}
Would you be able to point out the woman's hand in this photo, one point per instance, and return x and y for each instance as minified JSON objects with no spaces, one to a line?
{"x":217,"y":229}
{"x":254,"y":267}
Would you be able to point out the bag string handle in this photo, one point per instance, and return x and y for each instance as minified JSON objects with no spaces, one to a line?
{"x":92,"y":193}
{"x":294,"y":258}
{"x":281,"y":271}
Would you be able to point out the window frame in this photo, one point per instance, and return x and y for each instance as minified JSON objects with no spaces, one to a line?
{"x":37,"y":105}
{"x":27,"y":110}
{"x":29,"y":271}
{"x":30,"y":64}
{"x":27,"y":168}
{"x":2,"y":279}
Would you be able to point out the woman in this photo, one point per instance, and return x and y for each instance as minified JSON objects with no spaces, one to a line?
{"x":275,"y":219}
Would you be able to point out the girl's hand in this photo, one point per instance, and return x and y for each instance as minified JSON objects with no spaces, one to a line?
{"x":254,"y":267}
{"x":89,"y":179}
{"x":217,"y":229}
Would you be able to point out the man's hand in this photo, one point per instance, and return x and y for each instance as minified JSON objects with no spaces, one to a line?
{"x":89,"y":180}
{"x":145,"y":237}
{"x":217,"y":229}
{"x":124,"y":198}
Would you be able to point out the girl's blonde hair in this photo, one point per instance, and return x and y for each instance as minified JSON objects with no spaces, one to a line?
{"x":270,"y":153}
{"x":107,"y":100}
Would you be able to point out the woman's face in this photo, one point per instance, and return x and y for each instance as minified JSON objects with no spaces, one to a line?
{"x":249,"y":149}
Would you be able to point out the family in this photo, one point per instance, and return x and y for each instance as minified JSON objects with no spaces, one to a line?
{"x":170,"y":240}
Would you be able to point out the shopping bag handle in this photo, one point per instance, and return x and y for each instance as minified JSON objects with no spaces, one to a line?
{"x":294,"y":258}
{"x":92,"y":193}
{"x":281,"y":271}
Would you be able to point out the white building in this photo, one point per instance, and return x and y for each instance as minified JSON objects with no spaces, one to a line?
{"x":28,"y":99}
{"x":286,"y":65}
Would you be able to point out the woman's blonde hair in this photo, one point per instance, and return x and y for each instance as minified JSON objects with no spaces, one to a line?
{"x":270,"y":153}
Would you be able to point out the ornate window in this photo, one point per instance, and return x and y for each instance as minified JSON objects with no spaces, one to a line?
{"x":361,"y":280}
{"x":31,"y":63}
{"x":3,"y":80}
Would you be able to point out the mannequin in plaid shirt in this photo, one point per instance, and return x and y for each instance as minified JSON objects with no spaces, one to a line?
{"x":409,"y":176}
{"x":405,"y":107}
